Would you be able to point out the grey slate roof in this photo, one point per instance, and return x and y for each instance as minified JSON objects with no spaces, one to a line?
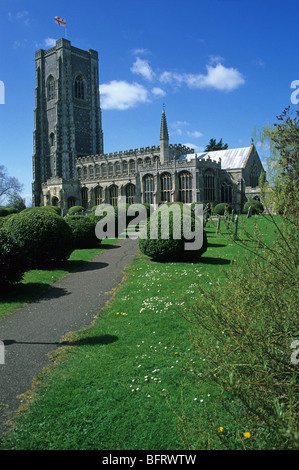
{"x":230,"y":158}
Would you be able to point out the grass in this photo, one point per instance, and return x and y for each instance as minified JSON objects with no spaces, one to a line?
{"x":37,"y":281}
{"x":124,"y":383}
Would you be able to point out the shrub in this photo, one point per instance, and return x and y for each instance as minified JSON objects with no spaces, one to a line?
{"x":256,"y":207}
{"x":45,"y":237}
{"x":4,"y":211}
{"x":219,"y":209}
{"x":75,"y":210}
{"x":169,"y":245}
{"x":12,"y":261}
{"x":83,"y":229}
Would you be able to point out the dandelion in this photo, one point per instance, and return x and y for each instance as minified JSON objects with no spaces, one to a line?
{"x":220,"y":429}
{"x":247,"y":435}
{"x":117,"y":313}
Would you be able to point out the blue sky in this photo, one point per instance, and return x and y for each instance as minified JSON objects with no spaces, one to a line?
{"x":221,"y":67}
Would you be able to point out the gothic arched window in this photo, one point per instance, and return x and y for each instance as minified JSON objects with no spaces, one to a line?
{"x":130,"y":193}
{"x":52,"y":139}
{"x":132,"y":165}
{"x":166,"y":187}
{"x":51,"y":88}
{"x":254,"y":180}
{"x":84,"y":195}
{"x":113,"y":193}
{"x":98,"y":195}
{"x":209,"y":186}
{"x":148,"y":189}
{"x":79,"y":88}
{"x":185,"y":187}
{"x":226,"y":192}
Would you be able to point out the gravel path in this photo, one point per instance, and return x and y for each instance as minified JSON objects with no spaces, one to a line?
{"x":35,"y":330}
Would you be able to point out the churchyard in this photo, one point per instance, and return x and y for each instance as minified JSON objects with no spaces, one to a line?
{"x":139,"y":378}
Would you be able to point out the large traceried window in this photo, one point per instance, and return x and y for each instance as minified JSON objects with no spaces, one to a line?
{"x":98,"y":195}
{"x":148,"y":189}
{"x":226,"y":192}
{"x":254,"y":179}
{"x":51,"y":95}
{"x":185,"y":187}
{"x":79,"y":87}
{"x":130,"y":193}
{"x":166,"y":187}
{"x":209,"y":186}
{"x":84,"y":195}
{"x":113,"y":193}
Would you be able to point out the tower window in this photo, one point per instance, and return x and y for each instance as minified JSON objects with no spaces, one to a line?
{"x":84,"y":194}
{"x":51,"y":88}
{"x":79,"y":88}
{"x":52,"y":139}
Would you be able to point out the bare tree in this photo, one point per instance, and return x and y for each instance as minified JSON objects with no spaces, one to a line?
{"x":9,"y":185}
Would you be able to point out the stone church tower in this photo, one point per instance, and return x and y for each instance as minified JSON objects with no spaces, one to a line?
{"x":67,"y":118}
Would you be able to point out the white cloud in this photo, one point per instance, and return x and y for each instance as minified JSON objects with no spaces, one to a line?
{"x":217,"y":77}
{"x":122,"y":95}
{"x":158,"y":91}
{"x":50,"y":42}
{"x":195,"y":134}
{"x":193,"y":146}
{"x":142,"y":67}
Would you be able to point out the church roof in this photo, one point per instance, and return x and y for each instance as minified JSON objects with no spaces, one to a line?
{"x":230,"y":158}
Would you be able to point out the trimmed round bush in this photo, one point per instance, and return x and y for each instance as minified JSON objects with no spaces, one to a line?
{"x":75,"y":210}
{"x":168,"y":242}
{"x":45,"y":237}
{"x":219,"y":209}
{"x":55,"y":209}
{"x":256,"y":207}
{"x":83,"y":229}
{"x":12,"y":261}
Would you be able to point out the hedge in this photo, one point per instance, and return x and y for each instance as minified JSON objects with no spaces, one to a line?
{"x":219,"y":209}
{"x":256,"y":206}
{"x":172,"y":247}
{"x":13,"y":264}
{"x":45,"y":237}
{"x":83,"y":230}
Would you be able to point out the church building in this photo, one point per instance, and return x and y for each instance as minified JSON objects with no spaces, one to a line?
{"x":70,"y":166}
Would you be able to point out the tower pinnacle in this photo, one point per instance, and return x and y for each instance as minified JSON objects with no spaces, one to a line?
{"x":164,"y":139}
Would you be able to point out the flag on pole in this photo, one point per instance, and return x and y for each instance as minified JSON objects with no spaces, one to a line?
{"x":60,"y":21}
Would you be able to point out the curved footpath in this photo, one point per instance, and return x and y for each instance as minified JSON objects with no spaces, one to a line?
{"x":35,"y":330}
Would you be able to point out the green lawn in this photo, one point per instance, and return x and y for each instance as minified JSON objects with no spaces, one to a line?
{"x":125,"y":382}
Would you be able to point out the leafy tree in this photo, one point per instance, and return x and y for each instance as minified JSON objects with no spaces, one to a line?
{"x":213,"y":145}
{"x":16,"y":201}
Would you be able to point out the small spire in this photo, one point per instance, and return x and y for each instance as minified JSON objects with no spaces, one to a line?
{"x":164,"y":131}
